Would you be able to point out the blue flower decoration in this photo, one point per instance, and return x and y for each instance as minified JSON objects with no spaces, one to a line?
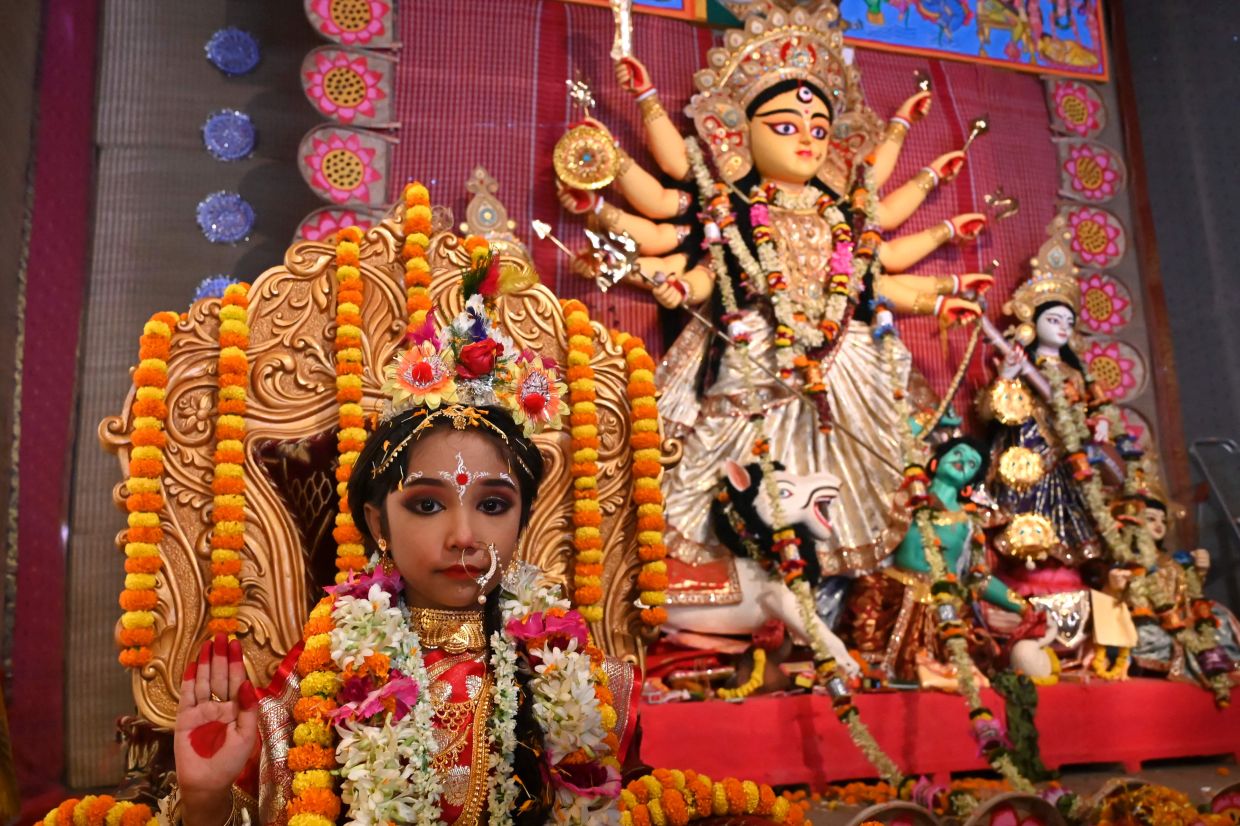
{"x":225,"y":218}
{"x":229,"y":135}
{"x":213,"y":286}
{"x":233,"y":51}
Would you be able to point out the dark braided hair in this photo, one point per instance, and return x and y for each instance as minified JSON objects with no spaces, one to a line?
{"x":533,"y":802}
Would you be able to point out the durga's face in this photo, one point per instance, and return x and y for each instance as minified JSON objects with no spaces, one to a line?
{"x":789,"y":136}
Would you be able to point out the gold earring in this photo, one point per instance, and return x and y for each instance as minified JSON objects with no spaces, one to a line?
{"x":385,"y":559}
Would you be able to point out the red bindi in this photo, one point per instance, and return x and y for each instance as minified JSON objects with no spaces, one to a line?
{"x":462,"y":479}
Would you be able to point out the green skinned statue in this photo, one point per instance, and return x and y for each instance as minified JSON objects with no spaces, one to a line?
{"x":888,"y":617}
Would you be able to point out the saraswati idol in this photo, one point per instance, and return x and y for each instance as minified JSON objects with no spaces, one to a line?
{"x":771,"y":221}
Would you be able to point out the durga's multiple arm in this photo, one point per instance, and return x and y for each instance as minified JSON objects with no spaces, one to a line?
{"x":678,"y":283}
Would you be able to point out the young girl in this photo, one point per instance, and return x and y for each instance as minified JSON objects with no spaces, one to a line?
{"x":446,"y":684}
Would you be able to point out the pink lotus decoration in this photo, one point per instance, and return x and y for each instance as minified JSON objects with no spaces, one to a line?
{"x":343,"y":190}
{"x":1105,"y":305}
{"x":363,"y":23}
{"x":1097,"y":237}
{"x":324,"y":224}
{"x":1077,"y":108}
{"x":1092,"y":173}
{"x":1116,"y":371}
{"x":344,"y":109}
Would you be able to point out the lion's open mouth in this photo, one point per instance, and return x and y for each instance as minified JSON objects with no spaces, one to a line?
{"x":822,"y":510}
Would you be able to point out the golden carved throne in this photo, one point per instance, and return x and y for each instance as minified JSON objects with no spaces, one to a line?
{"x":290,"y":448}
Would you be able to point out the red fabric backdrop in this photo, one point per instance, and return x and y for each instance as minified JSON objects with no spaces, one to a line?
{"x":476,"y":86}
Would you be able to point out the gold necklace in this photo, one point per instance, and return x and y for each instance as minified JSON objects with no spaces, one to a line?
{"x":452,"y":631}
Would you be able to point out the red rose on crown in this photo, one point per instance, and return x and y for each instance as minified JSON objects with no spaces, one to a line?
{"x":477,"y":359}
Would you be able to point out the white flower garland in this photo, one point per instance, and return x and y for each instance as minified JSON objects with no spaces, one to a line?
{"x":386,"y":769}
{"x":503,"y":729}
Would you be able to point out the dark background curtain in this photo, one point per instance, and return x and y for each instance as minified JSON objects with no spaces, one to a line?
{"x":1185,"y":70}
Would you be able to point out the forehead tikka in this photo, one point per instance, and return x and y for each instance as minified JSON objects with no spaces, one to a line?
{"x":462,"y":477}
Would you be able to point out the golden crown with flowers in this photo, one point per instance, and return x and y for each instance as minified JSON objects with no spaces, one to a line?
{"x":1053,"y":280}
{"x":775,"y":44}
{"x":469,"y":366}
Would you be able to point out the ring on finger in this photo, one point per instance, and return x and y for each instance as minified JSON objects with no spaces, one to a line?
{"x":215,"y":698}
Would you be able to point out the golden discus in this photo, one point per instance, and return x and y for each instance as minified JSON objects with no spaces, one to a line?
{"x":586,"y":158}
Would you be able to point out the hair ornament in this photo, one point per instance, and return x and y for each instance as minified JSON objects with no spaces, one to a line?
{"x":470,"y":365}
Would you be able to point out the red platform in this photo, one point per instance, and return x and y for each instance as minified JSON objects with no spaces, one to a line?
{"x":796,"y":739}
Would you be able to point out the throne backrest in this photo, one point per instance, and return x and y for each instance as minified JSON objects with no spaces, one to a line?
{"x":291,"y":422}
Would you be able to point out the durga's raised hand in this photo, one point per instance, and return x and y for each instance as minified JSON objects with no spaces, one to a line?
{"x":632,"y":76}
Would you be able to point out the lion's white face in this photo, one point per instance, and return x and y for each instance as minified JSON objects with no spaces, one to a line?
{"x":803,"y":499}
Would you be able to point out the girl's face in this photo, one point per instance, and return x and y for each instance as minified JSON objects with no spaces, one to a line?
{"x":458,"y":495}
{"x":790,"y":136}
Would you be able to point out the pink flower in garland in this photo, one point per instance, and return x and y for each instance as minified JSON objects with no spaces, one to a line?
{"x":1097,"y":237}
{"x":343,"y":86}
{"x":1092,"y":173}
{"x":842,"y":258}
{"x":1116,"y":370}
{"x":1077,"y":107}
{"x":1105,"y":305}
{"x":342,"y":168}
{"x":351,"y":21}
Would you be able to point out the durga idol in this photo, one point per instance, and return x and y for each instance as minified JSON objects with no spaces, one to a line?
{"x":777,"y":231}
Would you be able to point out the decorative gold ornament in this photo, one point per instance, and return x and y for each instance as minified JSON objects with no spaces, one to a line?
{"x":1021,"y":468}
{"x":586,"y":158}
{"x":1011,"y":402}
{"x":775,"y":45}
{"x":453,"y":631}
{"x":1053,"y":279}
{"x":1030,"y":537}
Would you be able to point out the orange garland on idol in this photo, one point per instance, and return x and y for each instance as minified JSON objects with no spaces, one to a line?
{"x":99,"y":810}
{"x":583,"y":418}
{"x":350,"y":554}
{"x":417,"y":228}
{"x":228,"y":480}
{"x":647,"y":468}
{"x":312,"y":757}
{"x":145,"y":500}
{"x":670,"y":797}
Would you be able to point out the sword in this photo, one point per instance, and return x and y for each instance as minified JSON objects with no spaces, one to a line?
{"x":622,"y":45}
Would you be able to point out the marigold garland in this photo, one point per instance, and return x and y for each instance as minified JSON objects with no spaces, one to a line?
{"x":313,"y":754}
{"x":145,"y":500}
{"x":350,"y":554}
{"x":587,"y":518}
{"x":228,"y":480}
{"x":647,"y":468}
{"x":670,"y":797}
{"x":417,"y":228}
{"x":99,"y":810}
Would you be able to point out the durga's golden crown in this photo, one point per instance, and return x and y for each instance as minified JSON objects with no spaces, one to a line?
{"x":774,"y":45}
